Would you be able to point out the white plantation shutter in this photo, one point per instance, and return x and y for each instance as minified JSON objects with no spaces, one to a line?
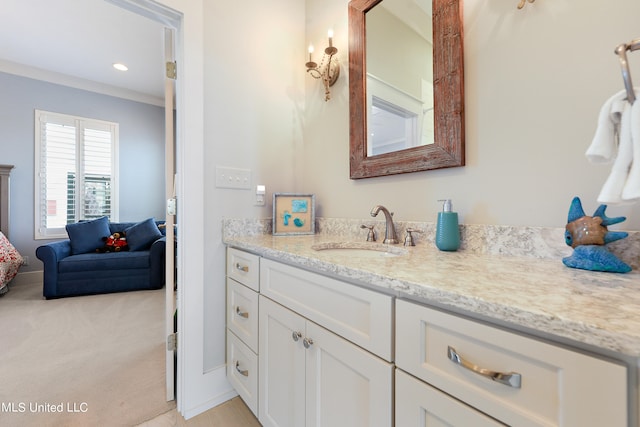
{"x":97,"y":183}
{"x":75,"y":171}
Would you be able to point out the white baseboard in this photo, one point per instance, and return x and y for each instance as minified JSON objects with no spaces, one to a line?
{"x":220,"y":390}
{"x":27,"y":277}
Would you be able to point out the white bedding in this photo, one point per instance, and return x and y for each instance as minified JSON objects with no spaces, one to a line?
{"x":10,"y":262}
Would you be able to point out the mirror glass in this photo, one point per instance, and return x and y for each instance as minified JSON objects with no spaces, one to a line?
{"x":406,"y":86}
{"x":399,"y":80}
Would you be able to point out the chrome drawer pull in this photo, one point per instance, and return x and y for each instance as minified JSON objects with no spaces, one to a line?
{"x":511,"y":379}
{"x":244,"y":268}
{"x":244,"y":373}
{"x":244,"y":314}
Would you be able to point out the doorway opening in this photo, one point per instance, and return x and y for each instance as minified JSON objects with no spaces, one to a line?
{"x":172,"y":22}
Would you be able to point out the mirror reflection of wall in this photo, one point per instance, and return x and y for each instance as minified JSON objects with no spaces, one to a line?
{"x":399,"y":76}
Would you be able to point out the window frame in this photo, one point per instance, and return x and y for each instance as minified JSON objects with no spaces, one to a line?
{"x":41,"y":204}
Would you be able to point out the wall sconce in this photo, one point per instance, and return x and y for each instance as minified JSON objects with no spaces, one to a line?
{"x":328,"y":72}
{"x":522,"y":3}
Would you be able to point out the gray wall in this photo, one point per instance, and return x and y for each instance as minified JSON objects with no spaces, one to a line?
{"x":141,"y":150}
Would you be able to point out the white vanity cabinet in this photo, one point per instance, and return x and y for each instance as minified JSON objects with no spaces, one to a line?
{"x":242,"y":325}
{"x":515,"y":379}
{"x":311,"y":377}
{"x":304,"y":349}
{"x":323,"y":345}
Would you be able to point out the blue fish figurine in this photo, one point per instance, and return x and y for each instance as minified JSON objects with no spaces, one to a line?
{"x":588,"y":235}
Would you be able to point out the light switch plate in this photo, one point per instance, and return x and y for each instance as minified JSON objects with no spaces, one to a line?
{"x":261,"y":192}
{"x":233,"y":178}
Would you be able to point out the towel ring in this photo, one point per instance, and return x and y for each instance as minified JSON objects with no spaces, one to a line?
{"x":621,"y":51}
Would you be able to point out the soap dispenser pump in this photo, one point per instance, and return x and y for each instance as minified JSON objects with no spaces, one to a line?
{"x":447,"y":231}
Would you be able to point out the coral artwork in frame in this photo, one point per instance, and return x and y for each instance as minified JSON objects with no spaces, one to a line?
{"x":294,"y":214}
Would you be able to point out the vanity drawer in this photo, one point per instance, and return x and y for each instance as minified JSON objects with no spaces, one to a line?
{"x":244,"y":268}
{"x":242,"y":371}
{"x":359,"y":315}
{"x":242,"y":313}
{"x":559,"y":387}
{"x":419,"y":404}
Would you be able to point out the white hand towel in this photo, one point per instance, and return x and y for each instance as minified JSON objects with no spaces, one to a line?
{"x":611,"y":192}
{"x":605,"y":141}
{"x":631,"y":191}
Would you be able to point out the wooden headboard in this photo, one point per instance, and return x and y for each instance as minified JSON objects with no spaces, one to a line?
{"x":5,"y":171}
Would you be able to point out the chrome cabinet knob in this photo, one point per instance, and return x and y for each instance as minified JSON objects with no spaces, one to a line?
{"x":296,"y":335}
{"x":307,"y":342}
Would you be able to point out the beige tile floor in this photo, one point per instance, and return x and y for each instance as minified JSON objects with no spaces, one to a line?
{"x":233,"y":413}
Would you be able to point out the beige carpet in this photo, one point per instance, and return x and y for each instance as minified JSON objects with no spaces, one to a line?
{"x":82,"y":361}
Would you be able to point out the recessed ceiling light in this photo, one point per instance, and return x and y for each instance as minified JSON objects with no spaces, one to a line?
{"x":120,"y":67}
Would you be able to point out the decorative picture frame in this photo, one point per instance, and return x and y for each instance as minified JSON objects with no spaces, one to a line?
{"x":294,"y":214}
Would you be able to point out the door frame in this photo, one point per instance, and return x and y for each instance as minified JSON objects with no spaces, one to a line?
{"x":170,"y":213}
{"x":172,"y":22}
{"x":198,"y":389}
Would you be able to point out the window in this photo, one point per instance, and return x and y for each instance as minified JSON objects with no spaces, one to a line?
{"x":76,"y":171}
{"x":397,"y":120}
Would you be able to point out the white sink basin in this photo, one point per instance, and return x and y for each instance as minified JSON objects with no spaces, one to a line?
{"x":359,"y":250}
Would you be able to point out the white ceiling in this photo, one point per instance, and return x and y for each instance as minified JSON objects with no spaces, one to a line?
{"x":414,"y":13}
{"x":79,"y":40}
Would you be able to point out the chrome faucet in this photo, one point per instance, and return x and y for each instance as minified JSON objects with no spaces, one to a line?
{"x":390,"y":229}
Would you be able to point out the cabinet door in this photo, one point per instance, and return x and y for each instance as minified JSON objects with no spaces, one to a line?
{"x":420,"y":405}
{"x":281,"y":366}
{"x":346,"y":385}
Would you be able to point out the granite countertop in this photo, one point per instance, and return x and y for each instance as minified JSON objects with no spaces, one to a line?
{"x":531,"y":293}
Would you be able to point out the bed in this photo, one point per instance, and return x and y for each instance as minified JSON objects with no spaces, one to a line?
{"x":10,"y":259}
{"x":10,"y":262}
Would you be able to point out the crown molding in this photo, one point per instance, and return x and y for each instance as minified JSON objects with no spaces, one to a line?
{"x":77,"y":83}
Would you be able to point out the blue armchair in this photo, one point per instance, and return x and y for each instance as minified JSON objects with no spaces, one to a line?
{"x":70,"y":270}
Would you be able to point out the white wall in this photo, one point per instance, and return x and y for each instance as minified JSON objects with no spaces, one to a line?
{"x":535,"y":80}
{"x":254,"y":100}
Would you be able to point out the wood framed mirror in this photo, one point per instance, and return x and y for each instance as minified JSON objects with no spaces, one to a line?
{"x":448,"y":146}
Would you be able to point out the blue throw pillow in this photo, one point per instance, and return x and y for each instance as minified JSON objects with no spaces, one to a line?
{"x":87,"y":236}
{"x":140,"y":236}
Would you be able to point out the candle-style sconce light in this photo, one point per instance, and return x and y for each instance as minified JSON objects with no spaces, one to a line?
{"x":522,"y":3}
{"x":328,"y":70}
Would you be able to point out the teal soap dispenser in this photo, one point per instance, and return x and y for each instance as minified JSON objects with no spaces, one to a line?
{"x":447,"y":231}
